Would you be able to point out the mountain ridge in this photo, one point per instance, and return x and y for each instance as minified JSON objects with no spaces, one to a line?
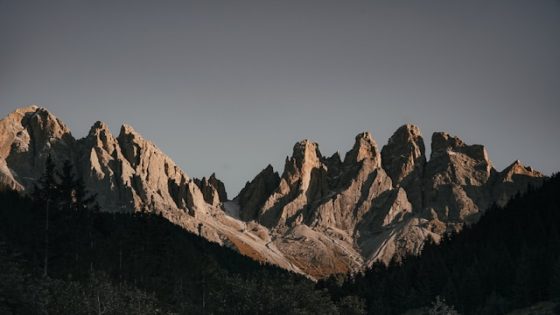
{"x":322,"y":215}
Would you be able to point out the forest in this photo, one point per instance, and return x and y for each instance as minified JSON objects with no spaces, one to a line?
{"x":61,"y":254}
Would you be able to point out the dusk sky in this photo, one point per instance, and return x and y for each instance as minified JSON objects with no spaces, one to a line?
{"x":230,"y":86}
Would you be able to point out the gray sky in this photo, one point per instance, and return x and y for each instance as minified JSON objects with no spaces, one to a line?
{"x":230,"y":86}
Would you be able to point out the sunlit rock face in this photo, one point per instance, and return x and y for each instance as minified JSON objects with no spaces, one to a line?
{"x":377,"y":205}
{"x":322,"y":215}
{"x":404,"y":159}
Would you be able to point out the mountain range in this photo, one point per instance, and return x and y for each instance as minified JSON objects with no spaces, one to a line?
{"x":320,"y":216}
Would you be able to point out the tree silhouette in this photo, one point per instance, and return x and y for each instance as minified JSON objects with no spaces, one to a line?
{"x":46,"y":194}
{"x":72,"y":191}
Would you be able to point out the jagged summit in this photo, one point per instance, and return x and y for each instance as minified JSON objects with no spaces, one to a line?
{"x":364,"y":147}
{"x":213,"y":189}
{"x":322,"y":215}
{"x":517,"y":167}
{"x":404,"y":152}
{"x":127,"y":129}
{"x":305,"y":151}
{"x":98,"y":126}
{"x":377,"y":206}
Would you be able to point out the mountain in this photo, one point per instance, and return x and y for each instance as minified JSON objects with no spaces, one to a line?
{"x":129,"y":174}
{"x":323,"y":215}
{"x":377,"y":205}
{"x":509,"y":259}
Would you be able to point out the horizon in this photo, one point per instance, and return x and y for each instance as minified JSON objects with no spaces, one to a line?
{"x":229,"y":88}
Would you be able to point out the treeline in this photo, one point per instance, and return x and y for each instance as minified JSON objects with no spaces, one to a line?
{"x":59,"y":255}
{"x":509,"y":259}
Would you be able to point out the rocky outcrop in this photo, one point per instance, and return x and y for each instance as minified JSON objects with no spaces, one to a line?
{"x":303,"y":180}
{"x":365,"y":148}
{"x":457,"y":179}
{"x":255,"y":193}
{"x":213,"y":190}
{"x":323,"y":215}
{"x":514,"y":179}
{"x":404,"y":160}
{"x":27,"y":137}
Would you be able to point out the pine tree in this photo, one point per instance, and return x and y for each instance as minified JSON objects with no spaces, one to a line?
{"x":46,"y":195}
{"x":555,"y":281}
{"x":66,"y":187}
{"x":46,"y":189}
{"x":439,"y":307}
{"x":83,"y":200}
{"x":72,"y":190}
{"x":524,"y":278}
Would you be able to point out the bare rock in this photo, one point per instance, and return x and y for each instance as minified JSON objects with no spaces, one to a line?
{"x":212,"y":189}
{"x":403,"y":159}
{"x":456,"y":179}
{"x":27,"y":137}
{"x":515,"y":179}
{"x":304,"y":180}
{"x":364,"y":147}
{"x":106,"y":172}
{"x":255,"y":193}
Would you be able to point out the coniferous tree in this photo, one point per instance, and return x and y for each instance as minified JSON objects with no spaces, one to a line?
{"x":73,"y":192}
{"x":524,"y":276}
{"x":46,"y":195}
{"x":66,"y":188}
{"x":439,"y":307}
{"x":555,"y":281}
{"x":46,"y":189}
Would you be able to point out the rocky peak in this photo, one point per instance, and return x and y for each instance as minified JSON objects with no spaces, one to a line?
{"x":98,"y":127}
{"x":516,"y":178}
{"x":443,"y":143}
{"x":100,"y":136}
{"x":517,"y":168}
{"x":334,"y":159}
{"x":252,"y":197}
{"x":306,"y":152}
{"x":365,"y":148}
{"x":11,"y":127}
{"x":27,"y":137}
{"x":334,"y":166}
{"x":219,"y":186}
{"x":213,"y":190}
{"x":44,"y":125}
{"x":130,"y":142}
{"x":304,"y":180}
{"x":457,"y":178}
{"x":403,"y":153}
{"x":305,"y":157}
